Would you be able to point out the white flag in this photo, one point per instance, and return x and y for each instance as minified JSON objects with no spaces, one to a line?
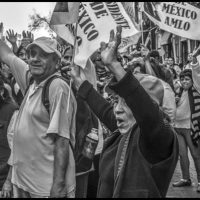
{"x":179,"y":18}
{"x":96,"y":20}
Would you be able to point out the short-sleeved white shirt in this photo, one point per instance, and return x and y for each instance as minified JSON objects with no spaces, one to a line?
{"x":33,"y":157}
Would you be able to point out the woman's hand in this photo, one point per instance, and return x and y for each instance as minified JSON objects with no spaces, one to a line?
{"x":109,"y":51}
{"x":109,"y":54}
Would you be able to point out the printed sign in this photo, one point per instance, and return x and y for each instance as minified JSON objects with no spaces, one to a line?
{"x":179,"y":18}
{"x":96,"y":20}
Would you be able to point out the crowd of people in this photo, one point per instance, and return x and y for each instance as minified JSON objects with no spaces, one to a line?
{"x":67,"y":134}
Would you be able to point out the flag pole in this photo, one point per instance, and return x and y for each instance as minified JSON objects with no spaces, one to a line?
{"x":73,"y":56}
{"x":141,"y":24}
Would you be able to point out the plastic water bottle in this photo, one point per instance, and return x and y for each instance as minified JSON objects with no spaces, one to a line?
{"x":91,"y":143}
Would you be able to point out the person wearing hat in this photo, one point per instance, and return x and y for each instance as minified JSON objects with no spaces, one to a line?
{"x":43,"y":164}
{"x":139,"y":158}
{"x":187,"y":122}
{"x":7,"y":108}
{"x":21,"y":53}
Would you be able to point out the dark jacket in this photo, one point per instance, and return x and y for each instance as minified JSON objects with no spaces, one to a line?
{"x":152,"y":149}
{"x":6,"y":112}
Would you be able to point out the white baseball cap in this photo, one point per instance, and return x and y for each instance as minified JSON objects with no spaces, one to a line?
{"x":46,"y":44}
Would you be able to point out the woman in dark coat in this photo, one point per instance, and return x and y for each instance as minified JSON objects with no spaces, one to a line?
{"x":139,"y":158}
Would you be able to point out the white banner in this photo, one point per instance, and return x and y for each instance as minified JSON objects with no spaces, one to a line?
{"x":179,"y":18}
{"x":96,"y":20}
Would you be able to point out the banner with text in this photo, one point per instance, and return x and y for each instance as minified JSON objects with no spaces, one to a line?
{"x":179,"y":18}
{"x":96,"y":20}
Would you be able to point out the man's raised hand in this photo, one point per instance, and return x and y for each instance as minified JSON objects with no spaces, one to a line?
{"x":27,"y":38}
{"x":12,"y":37}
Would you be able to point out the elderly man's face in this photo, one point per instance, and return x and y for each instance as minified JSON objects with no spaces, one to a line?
{"x":124,"y":115}
{"x":41,"y":64}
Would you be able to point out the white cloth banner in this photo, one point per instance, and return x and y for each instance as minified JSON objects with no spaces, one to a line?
{"x":179,"y":18}
{"x":96,"y":20}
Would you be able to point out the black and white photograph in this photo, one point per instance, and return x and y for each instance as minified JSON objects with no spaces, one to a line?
{"x":99,"y":100}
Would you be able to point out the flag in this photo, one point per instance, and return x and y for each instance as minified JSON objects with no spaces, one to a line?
{"x":96,"y":20}
{"x":65,"y":13}
{"x":90,"y":73}
{"x":179,"y":18}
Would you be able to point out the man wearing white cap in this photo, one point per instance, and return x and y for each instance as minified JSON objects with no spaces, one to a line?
{"x":43,"y":162}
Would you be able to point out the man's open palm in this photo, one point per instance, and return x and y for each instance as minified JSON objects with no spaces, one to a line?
{"x":12,"y":37}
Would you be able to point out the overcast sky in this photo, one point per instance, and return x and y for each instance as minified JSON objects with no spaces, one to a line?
{"x":14,"y":15}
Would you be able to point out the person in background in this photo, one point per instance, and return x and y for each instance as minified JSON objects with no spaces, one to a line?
{"x":85,"y":121}
{"x":189,"y":61}
{"x":166,"y":61}
{"x":187,"y":123}
{"x":27,"y":38}
{"x":160,"y":71}
{"x":149,"y":79}
{"x":176,"y":82}
{"x":170,"y":63}
{"x":155,"y":54}
{"x":6,"y":76}
{"x":21,"y":53}
{"x":7,"y":108}
{"x":177,"y":69}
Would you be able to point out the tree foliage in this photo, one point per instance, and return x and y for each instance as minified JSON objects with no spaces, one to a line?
{"x":37,"y":22}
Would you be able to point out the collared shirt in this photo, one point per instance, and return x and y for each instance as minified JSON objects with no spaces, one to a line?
{"x":33,"y":157}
